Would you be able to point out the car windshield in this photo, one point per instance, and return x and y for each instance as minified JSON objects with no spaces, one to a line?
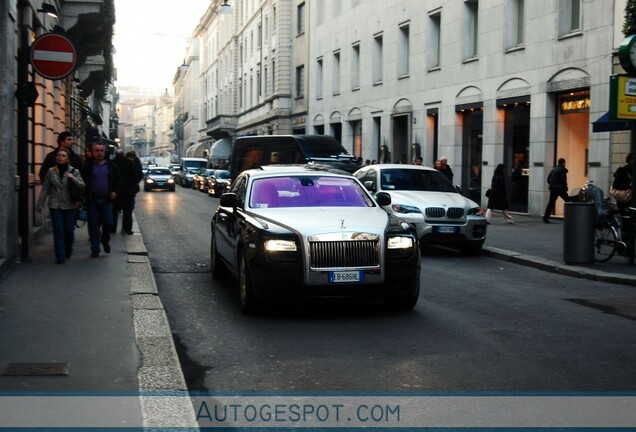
{"x":192,"y":171}
{"x":222,"y":175}
{"x":414,"y":180}
{"x":307,"y":191}
{"x":160,"y":171}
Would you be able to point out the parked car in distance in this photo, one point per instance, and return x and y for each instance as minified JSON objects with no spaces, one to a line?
{"x":218,"y":182}
{"x":175,"y":169}
{"x":187,"y":177}
{"x":159,"y":178}
{"x":260,"y":150}
{"x":200,"y":179}
{"x":426,"y":199}
{"x":301,"y":232}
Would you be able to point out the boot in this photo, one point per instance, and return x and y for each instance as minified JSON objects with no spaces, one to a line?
{"x":488,"y":215}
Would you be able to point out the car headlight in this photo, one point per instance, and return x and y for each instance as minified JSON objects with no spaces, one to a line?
{"x":403,"y":208}
{"x":475,"y":211}
{"x":400,"y":243}
{"x":171,"y":180}
{"x":280,"y":245}
{"x":150,"y":180}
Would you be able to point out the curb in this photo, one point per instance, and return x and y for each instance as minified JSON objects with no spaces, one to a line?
{"x":556,"y":267}
{"x":160,"y":372}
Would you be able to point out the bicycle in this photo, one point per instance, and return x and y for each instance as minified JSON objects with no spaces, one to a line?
{"x":609,"y":231}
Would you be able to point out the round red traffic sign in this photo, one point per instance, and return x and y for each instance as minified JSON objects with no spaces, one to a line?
{"x":53,"y":56}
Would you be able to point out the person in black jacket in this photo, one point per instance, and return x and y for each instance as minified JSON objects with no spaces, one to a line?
{"x":498,"y":199}
{"x":623,"y":182}
{"x":103,"y":184}
{"x":64,"y":140}
{"x":131,"y":175}
{"x":558,"y":185}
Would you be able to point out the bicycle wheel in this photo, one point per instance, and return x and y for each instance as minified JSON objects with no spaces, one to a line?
{"x":604,"y":243}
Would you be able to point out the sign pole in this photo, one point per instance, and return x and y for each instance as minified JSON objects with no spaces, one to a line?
{"x":632,"y":205}
{"x":23,"y":144}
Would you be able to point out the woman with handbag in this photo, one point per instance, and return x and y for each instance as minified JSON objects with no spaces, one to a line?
{"x":63,"y":188}
{"x":621,"y":189}
{"x":497,"y":199}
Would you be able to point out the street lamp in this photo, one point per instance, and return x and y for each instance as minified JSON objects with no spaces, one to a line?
{"x":225,"y":8}
{"x":49,"y":9}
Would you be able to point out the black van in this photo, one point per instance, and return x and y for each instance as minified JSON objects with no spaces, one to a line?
{"x":255,"y":151}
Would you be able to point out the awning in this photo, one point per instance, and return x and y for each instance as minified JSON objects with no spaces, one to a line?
{"x":195,"y":150}
{"x":221,"y":149}
{"x":604,"y":124}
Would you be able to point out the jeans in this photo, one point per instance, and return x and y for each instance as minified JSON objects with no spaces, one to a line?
{"x":100,"y":215}
{"x":63,"y":231}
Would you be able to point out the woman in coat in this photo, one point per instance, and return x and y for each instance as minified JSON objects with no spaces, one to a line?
{"x":498,"y":199}
{"x":63,"y":211}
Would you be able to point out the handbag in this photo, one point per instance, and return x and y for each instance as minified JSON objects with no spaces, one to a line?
{"x":75,"y":192}
{"x":488,"y":193}
{"x":621,"y":195}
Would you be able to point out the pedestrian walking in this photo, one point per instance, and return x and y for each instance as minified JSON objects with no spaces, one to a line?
{"x":445,"y":169}
{"x":131,"y":174}
{"x":418,"y":160}
{"x":102,"y":186}
{"x":621,"y":189}
{"x":558,"y":185}
{"x":63,"y":210}
{"x":497,"y":197}
{"x":65,"y":141}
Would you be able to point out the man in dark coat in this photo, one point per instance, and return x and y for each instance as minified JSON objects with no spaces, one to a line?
{"x":558,"y":185}
{"x":131,"y":175}
{"x":64,"y":140}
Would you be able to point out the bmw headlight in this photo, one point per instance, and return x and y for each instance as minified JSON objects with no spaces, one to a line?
{"x":171,"y":180}
{"x":400,"y":243}
{"x":150,"y":180}
{"x":278,"y":245}
{"x":475,"y":211}
{"x":403,"y":208}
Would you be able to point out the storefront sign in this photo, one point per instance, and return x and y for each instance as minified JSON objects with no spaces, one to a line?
{"x":622,"y":97}
{"x":575,"y":104}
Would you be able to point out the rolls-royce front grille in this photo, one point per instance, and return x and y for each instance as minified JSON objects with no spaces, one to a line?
{"x":343,"y":254}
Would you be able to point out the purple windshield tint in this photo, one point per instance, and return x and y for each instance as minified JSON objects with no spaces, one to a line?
{"x":307,"y":191}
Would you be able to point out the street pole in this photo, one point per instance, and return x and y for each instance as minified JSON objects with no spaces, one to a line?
{"x":632,"y":206}
{"x":23,"y":142}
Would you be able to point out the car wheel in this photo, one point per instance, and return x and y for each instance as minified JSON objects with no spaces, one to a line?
{"x":407,"y":303}
{"x":172,"y":189}
{"x":246,"y":291}
{"x":218,"y":270}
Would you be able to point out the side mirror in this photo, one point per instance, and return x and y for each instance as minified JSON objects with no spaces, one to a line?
{"x":228,"y":200}
{"x":369,"y":185}
{"x":383,"y":199}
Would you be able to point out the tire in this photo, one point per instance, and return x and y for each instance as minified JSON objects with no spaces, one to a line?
{"x":216,"y":264}
{"x":604,"y":243}
{"x":246,"y":290}
{"x":407,"y":303}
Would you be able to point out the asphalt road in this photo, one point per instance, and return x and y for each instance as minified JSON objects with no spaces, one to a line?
{"x":481,"y":325}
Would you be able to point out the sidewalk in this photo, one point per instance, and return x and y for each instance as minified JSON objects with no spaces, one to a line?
{"x":97,"y":325}
{"x":90,"y":326}
{"x":529,"y":241}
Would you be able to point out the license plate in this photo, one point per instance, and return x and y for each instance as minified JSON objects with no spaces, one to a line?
{"x":446,"y":230}
{"x":346,"y":276}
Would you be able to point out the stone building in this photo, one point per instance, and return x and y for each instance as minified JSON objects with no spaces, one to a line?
{"x":80,"y":102}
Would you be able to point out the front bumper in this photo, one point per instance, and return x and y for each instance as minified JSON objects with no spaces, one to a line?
{"x":469,"y":230}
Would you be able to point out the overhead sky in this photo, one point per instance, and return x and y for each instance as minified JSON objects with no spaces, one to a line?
{"x":150,"y":40}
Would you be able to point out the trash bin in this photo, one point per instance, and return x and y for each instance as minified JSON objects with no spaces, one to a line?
{"x":579,"y":219}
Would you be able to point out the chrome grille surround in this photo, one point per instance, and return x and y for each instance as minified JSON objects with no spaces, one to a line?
{"x":344,"y":250}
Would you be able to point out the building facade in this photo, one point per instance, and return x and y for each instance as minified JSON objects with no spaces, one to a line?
{"x":481,"y":82}
{"x":42,"y":108}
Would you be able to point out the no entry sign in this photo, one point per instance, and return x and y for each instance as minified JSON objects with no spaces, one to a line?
{"x":53,"y":56}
